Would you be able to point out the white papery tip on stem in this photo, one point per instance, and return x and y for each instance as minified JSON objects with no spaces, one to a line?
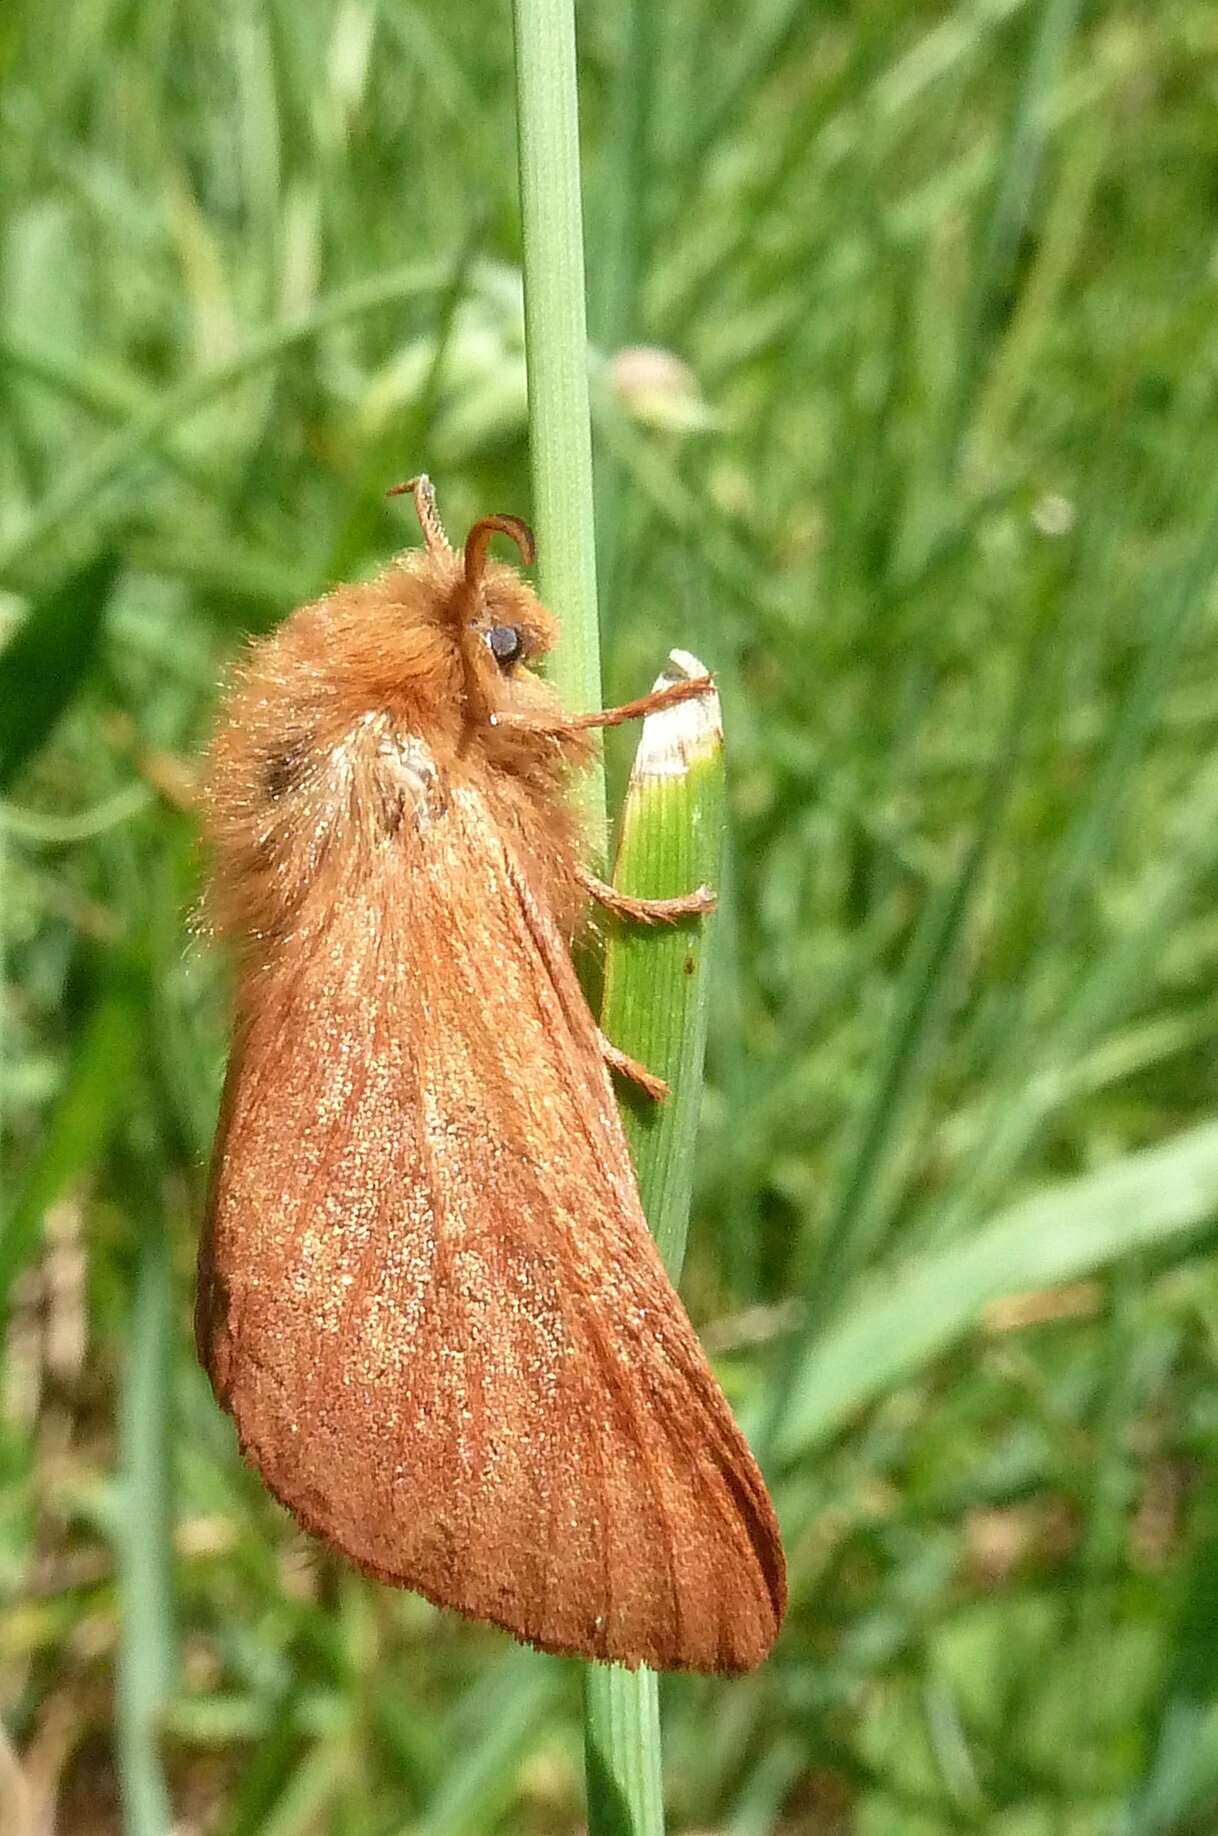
{"x":676,"y":738}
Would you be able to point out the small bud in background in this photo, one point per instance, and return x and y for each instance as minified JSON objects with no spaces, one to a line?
{"x":658,"y":389}
{"x":1053,"y":514}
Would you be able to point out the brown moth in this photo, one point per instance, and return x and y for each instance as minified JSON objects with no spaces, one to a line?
{"x":427,"y":1292}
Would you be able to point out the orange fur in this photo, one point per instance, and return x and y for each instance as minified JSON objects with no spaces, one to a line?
{"x":427,"y":1292}
{"x":298,"y":769}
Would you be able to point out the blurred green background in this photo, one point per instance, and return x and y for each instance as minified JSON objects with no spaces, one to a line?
{"x":930,"y":476}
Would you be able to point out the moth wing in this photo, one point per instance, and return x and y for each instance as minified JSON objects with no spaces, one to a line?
{"x":429,"y":1297}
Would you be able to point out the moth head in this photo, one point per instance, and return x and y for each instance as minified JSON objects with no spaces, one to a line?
{"x":501,"y":627}
{"x":508,"y":622}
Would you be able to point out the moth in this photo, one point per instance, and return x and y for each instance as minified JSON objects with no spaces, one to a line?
{"x":427,"y":1293}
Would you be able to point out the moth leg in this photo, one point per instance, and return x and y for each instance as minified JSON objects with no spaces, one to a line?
{"x":552,"y":949}
{"x":647,"y":911}
{"x":668,"y":697}
{"x":625,"y":1066}
{"x":687,"y":689}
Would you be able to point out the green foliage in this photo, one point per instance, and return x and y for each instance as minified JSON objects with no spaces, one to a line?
{"x":658,"y":981}
{"x":45,"y":663}
{"x":934,"y":495}
{"x":659,"y":978}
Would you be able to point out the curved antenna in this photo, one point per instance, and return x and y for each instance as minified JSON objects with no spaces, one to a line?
{"x":424,"y":494}
{"x":478,"y":541}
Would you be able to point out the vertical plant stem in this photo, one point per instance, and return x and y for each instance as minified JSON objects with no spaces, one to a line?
{"x":657,"y":977}
{"x":621,"y":1708}
{"x":556,"y":350}
{"x":146,"y":1640}
{"x":623,"y":1760}
{"x":655,"y":1008}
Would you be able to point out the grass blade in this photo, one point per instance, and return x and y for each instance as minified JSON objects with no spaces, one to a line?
{"x":622,"y":1756}
{"x":502,"y":1716}
{"x":1139,"y":1202}
{"x":656,"y":999}
{"x":42,"y":667}
{"x":89,"y":1108}
{"x":622,"y":1733}
{"x":655,"y":1006}
{"x":143,"y":435}
{"x":863,"y":1214}
{"x":556,"y":351}
{"x":1010,"y":204}
{"x":147,"y":1663}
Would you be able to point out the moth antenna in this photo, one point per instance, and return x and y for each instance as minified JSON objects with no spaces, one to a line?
{"x":424,"y":494}
{"x":478,"y":541}
{"x":476,"y":544}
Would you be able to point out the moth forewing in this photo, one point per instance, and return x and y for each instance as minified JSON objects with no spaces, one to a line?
{"x":428,"y":1295}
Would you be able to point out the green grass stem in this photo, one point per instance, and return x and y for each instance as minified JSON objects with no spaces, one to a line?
{"x":145,"y":1543}
{"x":556,"y":348}
{"x":621,"y":1710}
{"x":655,"y":988}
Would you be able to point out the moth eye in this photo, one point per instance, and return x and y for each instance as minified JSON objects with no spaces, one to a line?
{"x":506,"y":643}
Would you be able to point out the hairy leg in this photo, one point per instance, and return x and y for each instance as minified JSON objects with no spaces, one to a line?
{"x":647,"y":911}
